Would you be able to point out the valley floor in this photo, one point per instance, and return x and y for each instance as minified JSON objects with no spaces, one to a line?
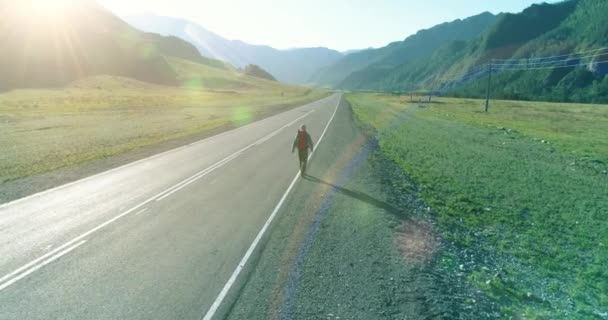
{"x":443,"y":211}
{"x":52,"y":136}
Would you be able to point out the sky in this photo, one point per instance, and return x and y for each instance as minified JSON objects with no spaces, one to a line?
{"x":336,"y":24}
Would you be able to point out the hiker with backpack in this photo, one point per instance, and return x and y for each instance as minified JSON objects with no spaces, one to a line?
{"x":303,"y":142}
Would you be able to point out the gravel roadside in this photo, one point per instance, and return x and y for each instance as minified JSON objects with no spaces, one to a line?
{"x":353,"y":242}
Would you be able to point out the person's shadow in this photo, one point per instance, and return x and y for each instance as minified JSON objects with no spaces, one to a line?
{"x":357,"y":195}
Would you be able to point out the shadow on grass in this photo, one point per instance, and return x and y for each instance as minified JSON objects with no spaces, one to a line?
{"x":357,"y":195}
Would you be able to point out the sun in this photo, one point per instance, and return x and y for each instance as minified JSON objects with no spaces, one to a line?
{"x":46,"y":8}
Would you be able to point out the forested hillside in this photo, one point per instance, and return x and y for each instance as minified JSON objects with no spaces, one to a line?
{"x":575,"y":70}
{"x":570,"y":33}
{"x":364,"y":68}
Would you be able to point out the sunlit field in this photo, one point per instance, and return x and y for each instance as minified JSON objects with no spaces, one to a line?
{"x":98,"y":117}
{"x":268,"y":160}
{"x":520,"y":191}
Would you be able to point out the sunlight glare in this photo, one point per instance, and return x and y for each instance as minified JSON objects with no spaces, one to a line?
{"x":46,"y":8}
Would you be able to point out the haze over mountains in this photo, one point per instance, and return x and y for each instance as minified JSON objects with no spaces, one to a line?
{"x":84,"y":39}
{"x":291,"y":66}
{"x":378,"y":63}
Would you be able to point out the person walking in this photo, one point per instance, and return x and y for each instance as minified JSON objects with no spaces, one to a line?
{"x":303,"y":142}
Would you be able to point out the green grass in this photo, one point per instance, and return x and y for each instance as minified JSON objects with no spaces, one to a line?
{"x":44,"y":130}
{"x":523,"y":188}
{"x":343,"y":238}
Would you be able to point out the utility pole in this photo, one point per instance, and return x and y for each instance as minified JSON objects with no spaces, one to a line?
{"x":489,"y":85}
{"x":432,"y":90}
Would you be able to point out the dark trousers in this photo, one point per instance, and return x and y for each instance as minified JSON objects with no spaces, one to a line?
{"x":303,"y":155}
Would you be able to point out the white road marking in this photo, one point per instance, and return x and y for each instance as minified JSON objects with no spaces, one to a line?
{"x":283,"y":127}
{"x":196,"y":176}
{"x":33,"y":264}
{"x":80,"y":237}
{"x":224,"y":292}
{"x":140,"y":212}
{"x":10,"y":203}
{"x":38,"y":266}
{"x":221,"y":163}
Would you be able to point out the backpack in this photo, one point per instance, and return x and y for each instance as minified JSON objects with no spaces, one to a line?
{"x":302,"y":141}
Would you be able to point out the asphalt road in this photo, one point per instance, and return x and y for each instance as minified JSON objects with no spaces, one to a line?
{"x":155,"y":239}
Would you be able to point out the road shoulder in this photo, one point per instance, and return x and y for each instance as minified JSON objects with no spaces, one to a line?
{"x":349,"y":244}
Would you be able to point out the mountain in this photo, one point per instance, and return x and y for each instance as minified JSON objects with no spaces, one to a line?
{"x":49,"y":49}
{"x":567,"y":28}
{"x":291,"y":66}
{"x":256,"y":71}
{"x":570,"y":27}
{"x":559,"y":29}
{"x":371,"y":64}
{"x":347,"y":52}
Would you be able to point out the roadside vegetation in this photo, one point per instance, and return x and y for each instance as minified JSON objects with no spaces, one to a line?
{"x":332,"y":252}
{"x":97,"y":117}
{"x":519,"y":193}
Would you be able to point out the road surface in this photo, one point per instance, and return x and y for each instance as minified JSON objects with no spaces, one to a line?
{"x":160,"y":238}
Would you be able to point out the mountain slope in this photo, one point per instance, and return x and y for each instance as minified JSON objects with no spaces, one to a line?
{"x":575,"y":26}
{"x":373,"y":63}
{"x":503,"y":40}
{"x":562,"y":29}
{"x":256,"y":71}
{"x":292,"y":66}
{"x":82,"y":39}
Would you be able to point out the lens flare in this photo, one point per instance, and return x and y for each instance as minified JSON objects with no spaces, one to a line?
{"x":45,"y":8}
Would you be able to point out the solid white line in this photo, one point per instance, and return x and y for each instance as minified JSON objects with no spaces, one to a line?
{"x":221,"y":163}
{"x":3,"y":205}
{"x":197,"y":175}
{"x":161,"y":194}
{"x":222,"y":295}
{"x":283,"y":127}
{"x":326,"y":127}
{"x":44,"y":256}
{"x":51,"y":259}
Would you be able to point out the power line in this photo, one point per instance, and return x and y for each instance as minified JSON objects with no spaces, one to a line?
{"x":473,"y":75}
{"x":526,"y":63}
{"x":557,"y":56}
{"x":473,"y":70}
{"x":550,"y":67}
{"x":478,"y":74}
{"x":501,"y":65}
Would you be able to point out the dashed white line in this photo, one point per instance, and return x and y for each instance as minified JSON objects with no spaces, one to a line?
{"x":33,"y":265}
{"x":38,"y":266}
{"x":196,"y":176}
{"x":221,"y":163}
{"x":69,"y":243}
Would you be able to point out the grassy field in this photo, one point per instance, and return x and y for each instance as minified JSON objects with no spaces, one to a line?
{"x":521,"y":192}
{"x":44,"y":130}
